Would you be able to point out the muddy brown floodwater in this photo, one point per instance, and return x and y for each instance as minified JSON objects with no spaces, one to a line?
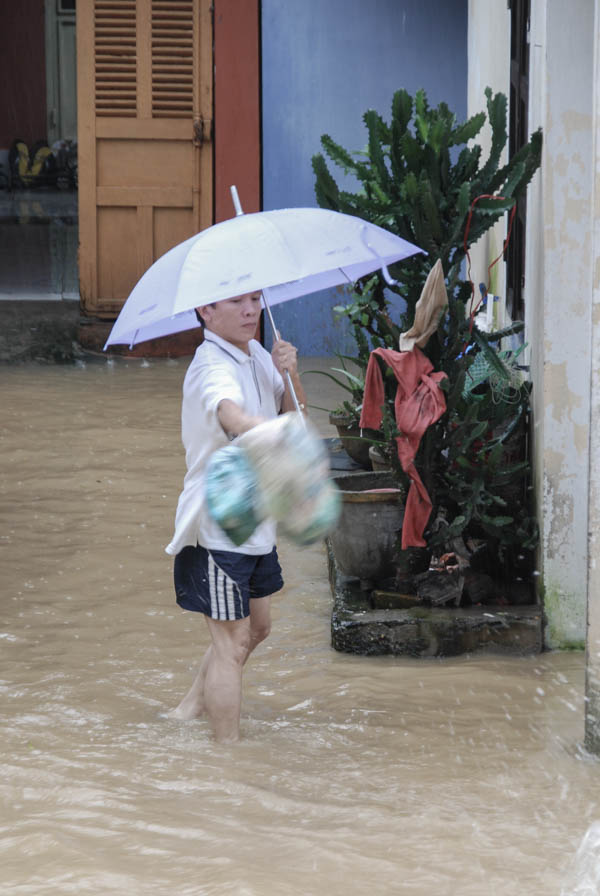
{"x":462,"y":776}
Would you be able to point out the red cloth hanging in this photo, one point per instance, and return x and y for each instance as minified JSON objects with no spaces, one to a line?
{"x":418,"y":403}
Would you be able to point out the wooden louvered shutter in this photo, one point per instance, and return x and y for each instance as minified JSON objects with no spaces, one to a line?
{"x":172,"y":62}
{"x":115,"y":59}
{"x":145,"y":159}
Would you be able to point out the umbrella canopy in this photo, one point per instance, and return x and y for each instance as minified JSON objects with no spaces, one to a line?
{"x":283,"y":253}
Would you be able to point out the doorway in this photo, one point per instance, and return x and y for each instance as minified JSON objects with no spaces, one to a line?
{"x":38,"y":199}
{"x":61,"y":70}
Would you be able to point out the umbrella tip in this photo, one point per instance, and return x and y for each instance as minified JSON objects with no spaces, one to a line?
{"x":236,"y":200}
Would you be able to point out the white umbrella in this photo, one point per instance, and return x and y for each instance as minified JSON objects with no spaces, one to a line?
{"x":284,"y":253}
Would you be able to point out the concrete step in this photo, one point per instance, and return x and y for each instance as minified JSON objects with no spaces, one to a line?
{"x":423,"y":631}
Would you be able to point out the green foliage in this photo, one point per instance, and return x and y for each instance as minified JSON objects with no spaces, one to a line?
{"x":484,"y":477}
{"x":353,"y":383}
{"x":410,"y":185}
{"x":422,"y":177}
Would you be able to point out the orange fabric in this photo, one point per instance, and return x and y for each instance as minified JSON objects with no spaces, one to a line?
{"x":418,"y":403}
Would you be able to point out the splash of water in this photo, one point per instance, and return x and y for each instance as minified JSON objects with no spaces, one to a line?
{"x":584,"y":878}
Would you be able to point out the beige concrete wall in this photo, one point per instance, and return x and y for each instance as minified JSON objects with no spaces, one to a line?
{"x":592,"y":720}
{"x":558,"y":302}
{"x":489,"y":66}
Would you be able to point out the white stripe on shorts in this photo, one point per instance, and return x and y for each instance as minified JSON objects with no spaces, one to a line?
{"x":230,"y":599}
{"x":222,"y":593}
{"x":212,"y":572}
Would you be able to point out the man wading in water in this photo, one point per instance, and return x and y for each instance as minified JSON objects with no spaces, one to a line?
{"x":231,"y":385}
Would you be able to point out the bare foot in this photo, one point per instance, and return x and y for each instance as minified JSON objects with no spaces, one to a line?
{"x":192,"y":705}
{"x":185,"y":712}
{"x":229,"y":739}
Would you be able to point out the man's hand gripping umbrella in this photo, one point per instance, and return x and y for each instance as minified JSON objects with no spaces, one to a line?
{"x":278,"y":469}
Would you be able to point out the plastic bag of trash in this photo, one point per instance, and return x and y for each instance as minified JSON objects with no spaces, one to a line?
{"x":231,"y":490}
{"x":314,"y":518}
{"x":278,"y":469}
{"x":292,"y":470}
{"x":289,"y":459}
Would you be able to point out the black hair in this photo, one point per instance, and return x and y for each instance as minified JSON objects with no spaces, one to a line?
{"x":199,"y":316}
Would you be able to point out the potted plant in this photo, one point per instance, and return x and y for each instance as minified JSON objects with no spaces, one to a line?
{"x":346,"y":417}
{"x":422,"y":177}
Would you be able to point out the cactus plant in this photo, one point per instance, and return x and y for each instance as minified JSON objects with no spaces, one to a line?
{"x":422,"y":177}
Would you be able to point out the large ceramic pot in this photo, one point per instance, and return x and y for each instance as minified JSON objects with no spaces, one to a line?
{"x":353,"y":439}
{"x":365,"y":538}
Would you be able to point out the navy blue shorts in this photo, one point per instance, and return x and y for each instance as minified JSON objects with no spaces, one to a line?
{"x":221,"y":583}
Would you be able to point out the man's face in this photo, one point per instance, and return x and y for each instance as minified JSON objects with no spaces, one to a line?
{"x":234,"y":319}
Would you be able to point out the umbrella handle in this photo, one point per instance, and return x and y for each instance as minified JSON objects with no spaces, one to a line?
{"x":236,"y":201}
{"x":286,"y":372}
{"x":239,"y":211}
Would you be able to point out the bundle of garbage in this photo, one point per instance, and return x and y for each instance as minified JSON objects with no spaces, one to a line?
{"x":279,"y":469}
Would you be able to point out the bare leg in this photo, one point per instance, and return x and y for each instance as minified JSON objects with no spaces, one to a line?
{"x":223,"y":679}
{"x":260,"y":621}
{"x":192,"y":706}
{"x":232,"y":644}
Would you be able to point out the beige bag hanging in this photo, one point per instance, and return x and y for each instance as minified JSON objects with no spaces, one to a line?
{"x":427,"y":312}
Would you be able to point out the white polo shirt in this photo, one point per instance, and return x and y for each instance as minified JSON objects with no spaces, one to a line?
{"x":219,"y":370}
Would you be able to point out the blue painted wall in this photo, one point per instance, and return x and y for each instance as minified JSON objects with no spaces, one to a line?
{"x":324,"y":63}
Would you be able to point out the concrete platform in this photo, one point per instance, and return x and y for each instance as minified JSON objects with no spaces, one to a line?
{"x":44,"y":331}
{"x":427,"y":631}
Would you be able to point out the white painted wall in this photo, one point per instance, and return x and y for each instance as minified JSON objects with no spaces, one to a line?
{"x":558,"y":303}
{"x":489,"y":66}
{"x":593,"y":629}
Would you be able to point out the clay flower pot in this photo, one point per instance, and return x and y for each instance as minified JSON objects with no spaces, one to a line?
{"x":355,"y":441}
{"x":364,"y":541}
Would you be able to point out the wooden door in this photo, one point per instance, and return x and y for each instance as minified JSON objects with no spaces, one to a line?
{"x":145,"y":131}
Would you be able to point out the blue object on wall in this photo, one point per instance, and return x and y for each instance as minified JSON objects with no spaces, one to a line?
{"x":324,"y":63}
